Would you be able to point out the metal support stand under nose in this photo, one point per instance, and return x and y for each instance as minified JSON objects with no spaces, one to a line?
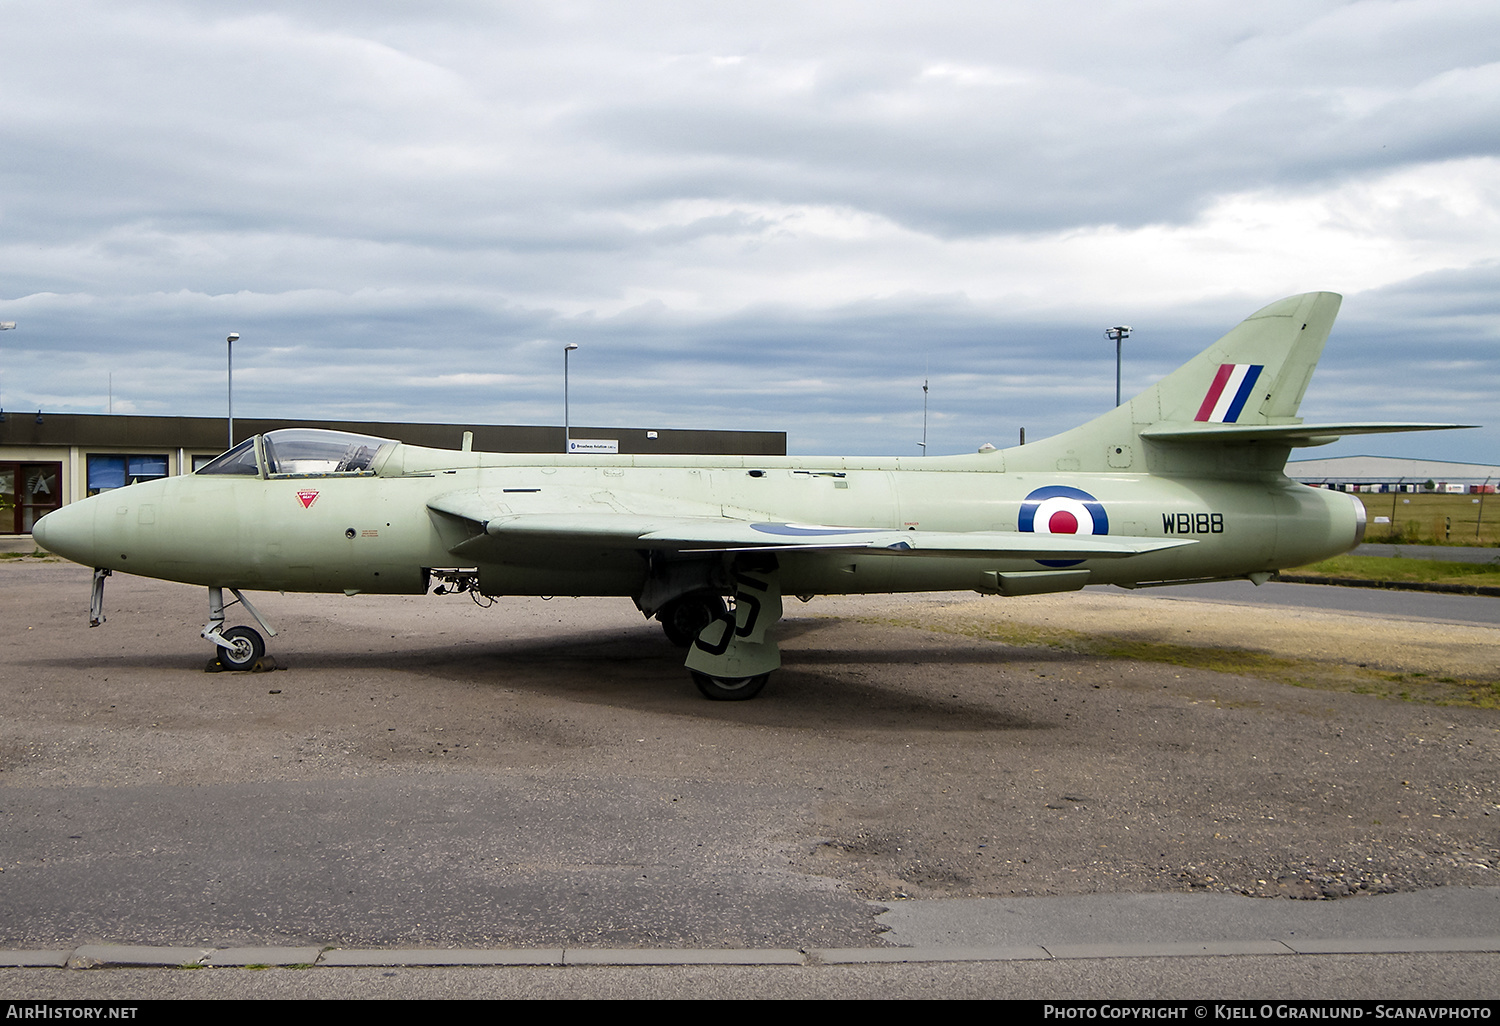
{"x":96,"y":596}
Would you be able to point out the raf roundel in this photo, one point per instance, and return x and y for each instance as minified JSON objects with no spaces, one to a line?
{"x":1058,"y":509}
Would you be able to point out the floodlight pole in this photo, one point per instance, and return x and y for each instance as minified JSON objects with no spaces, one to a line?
{"x":5,"y":326}
{"x":1117,"y":334}
{"x":567,"y":424}
{"x":229,"y":342}
{"x":1483,"y":489}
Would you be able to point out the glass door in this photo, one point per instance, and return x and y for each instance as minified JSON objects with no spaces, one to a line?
{"x":8,"y":498}
{"x":28,"y":492}
{"x":40,"y":493}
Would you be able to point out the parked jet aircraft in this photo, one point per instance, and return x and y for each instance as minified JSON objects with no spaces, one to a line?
{"x":1184,"y":482}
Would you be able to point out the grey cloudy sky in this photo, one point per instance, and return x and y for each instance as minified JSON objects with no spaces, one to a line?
{"x":748,"y":215}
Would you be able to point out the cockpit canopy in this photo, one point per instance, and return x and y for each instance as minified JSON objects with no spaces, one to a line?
{"x":300,"y":452}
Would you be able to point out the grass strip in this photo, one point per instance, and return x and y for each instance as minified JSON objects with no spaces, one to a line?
{"x":1388,"y":568}
{"x":1291,"y":670}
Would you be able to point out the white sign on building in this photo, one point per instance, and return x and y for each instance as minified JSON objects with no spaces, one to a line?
{"x":605,"y":445}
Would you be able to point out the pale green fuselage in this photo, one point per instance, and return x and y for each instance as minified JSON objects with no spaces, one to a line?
{"x":374,"y":533}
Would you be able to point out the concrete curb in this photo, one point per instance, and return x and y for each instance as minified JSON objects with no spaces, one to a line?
{"x":351,"y":958}
{"x":109,"y":956}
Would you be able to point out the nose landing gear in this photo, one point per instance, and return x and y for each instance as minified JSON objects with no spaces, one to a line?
{"x":239,"y":648}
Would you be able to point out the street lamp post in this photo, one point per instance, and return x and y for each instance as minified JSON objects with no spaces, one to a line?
{"x":1483,"y":489}
{"x":567,"y":426}
{"x":229,"y":342}
{"x":5,"y":326}
{"x":1117,"y":334}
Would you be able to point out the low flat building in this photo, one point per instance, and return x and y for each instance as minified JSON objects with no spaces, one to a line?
{"x":48,"y":460}
{"x":1390,"y":474}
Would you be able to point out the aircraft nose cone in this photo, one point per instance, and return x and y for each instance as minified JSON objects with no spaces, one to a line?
{"x":67,"y":532}
{"x":39,"y":531}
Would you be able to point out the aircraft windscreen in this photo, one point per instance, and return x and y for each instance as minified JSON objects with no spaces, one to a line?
{"x":311,"y":451}
{"x":239,"y":460}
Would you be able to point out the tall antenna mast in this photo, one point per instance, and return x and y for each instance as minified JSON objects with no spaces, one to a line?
{"x":923,"y":442}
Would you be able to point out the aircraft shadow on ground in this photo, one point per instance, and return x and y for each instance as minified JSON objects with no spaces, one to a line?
{"x":834,"y":684}
{"x":644,"y":671}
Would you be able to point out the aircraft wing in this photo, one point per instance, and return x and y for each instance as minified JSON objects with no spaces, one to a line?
{"x":724,"y":534}
{"x":707,"y":533}
{"x":1278,"y":434}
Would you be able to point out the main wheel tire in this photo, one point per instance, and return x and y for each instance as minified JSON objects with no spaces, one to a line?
{"x":683,"y":619}
{"x":246,"y":647}
{"x":729,"y":689}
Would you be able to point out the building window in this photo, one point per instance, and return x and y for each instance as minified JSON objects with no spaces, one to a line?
{"x":28,"y":491}
{"x":106,"y":472}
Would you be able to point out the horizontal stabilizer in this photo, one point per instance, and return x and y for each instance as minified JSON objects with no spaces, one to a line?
{"x":1199,"y":433}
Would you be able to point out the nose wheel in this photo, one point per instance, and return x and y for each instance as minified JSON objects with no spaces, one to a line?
{"x":244,"y":649}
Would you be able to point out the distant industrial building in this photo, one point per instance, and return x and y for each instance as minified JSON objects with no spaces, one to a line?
{"x":48,"y":460}
{"x":1388,"y":474}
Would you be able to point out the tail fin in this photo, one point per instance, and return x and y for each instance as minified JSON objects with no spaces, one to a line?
{"x":1230,"y":411}
{"x":1256,"y":374}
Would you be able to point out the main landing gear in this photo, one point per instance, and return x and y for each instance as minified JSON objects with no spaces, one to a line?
{"x":733,"y":656}
{"x":239,"y":648}
{"x":684,"y":618}
{"x":729,"y":689}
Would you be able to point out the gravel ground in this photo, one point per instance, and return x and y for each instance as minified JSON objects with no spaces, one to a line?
{"x":911,"y":753}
